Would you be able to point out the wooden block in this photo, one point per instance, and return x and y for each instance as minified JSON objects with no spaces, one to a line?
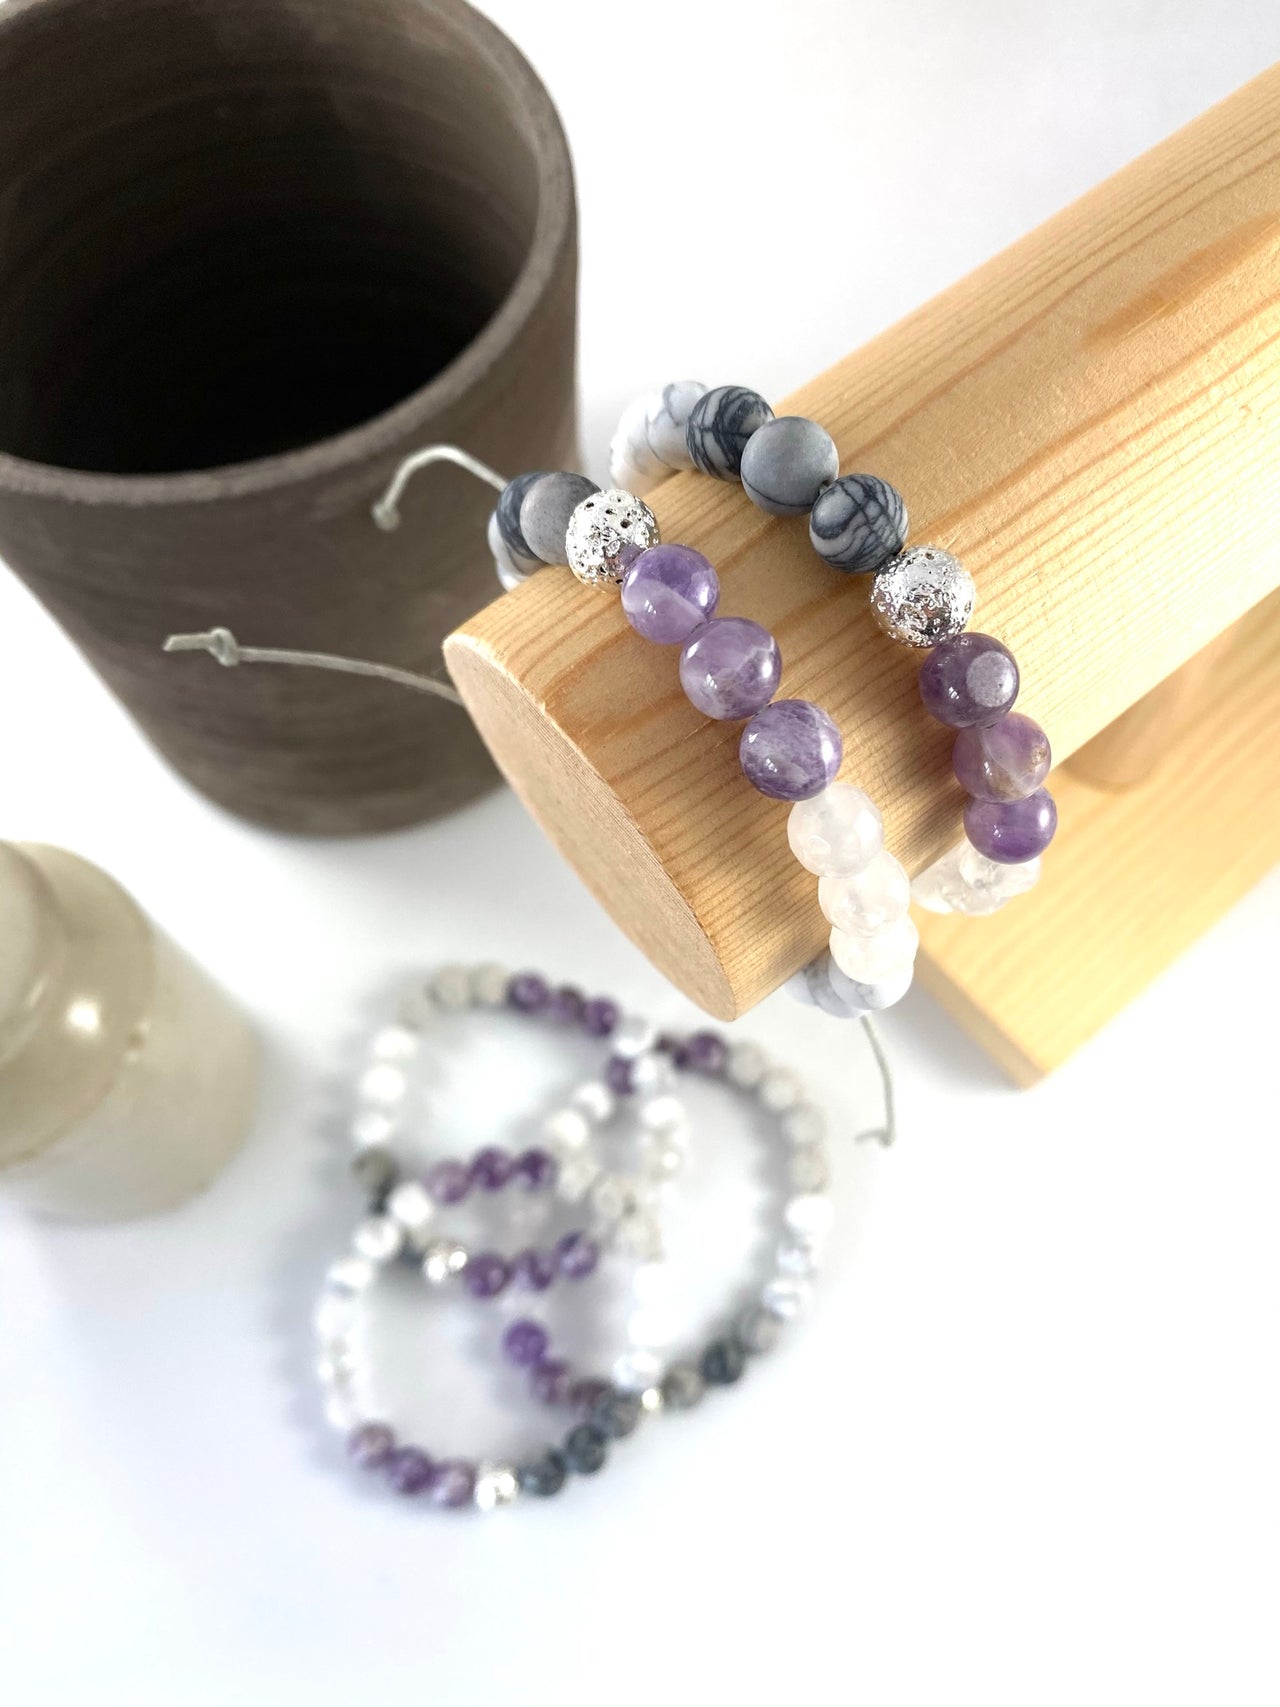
{"x":1089,"y":421}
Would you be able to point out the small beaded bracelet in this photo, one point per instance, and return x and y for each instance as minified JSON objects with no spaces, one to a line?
{"x":921,"y":596}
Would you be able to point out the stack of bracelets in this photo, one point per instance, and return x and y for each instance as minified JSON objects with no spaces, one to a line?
{"x":610,"y":1209}
{"x":731,"y":667}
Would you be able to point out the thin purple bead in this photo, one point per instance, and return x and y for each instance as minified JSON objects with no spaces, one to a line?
{"x":408,"y":1470}
{"x":706,"y":1052}
{"x":1012,"y":831}
{"x":535,"y":1169}
{"x":565,"y":1005}
{"x":549,"y":1381}
{"x":668,"y":592}
{"x":453,"y":1483}
{"x":1007,"y":760}
{"x":370,"y":1445}
{"x":528,"y":992}
{"x":533,"y":1270}
{"x":448,"y":1181}
{"x":618,"y":1075}
{"x":491,"y":1168}
{"x":791,"y":750}
{"x":969,"y":681}
{"x":599,"y":1016}
{"x":577,"y":1255}
{"x":525,"y":1342}
{"x":486,"y":1275}
{"x":730,"y":667}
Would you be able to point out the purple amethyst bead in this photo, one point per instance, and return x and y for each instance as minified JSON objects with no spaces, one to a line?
{"x":706,"y":1052}
{"x":533,"y":1270}
{"x":491,"y":1168}
{"x":730,"y":667}
{"x":408,"y":1470}
{"x":370,"y":1445}
{"x":535,"y":1170}
{"x":525,"y":1343}
{"x":618,"y":1075}
{"x":668,"y":592}
{"x":577,"y":1255}
{"x":599,"y":1016}
{"x":1007,"y":760}
{"x":969,"y":681}
{"x":791,"y":750}
{"x":448,"y":1181}
{"x":565,"y":1006}
{"x":528,"y":992}
{"x":549,"y":1381}
{"x":1012,"y":831}
{"x":453,"y":1483}
{"x":486,"y":1275}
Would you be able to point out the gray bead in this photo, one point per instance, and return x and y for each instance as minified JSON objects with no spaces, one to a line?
{"x":720,"y":425}
{"x":723,"y":1362}
{"x":665,"y":426}
{"x":585,"y":1449}
{"x":759,"y":1331}
{"x":507,"y":516}
{"x":545,"y":510}
{"x":682,"y":1387}
{"x":617,"y":1414}
{"x":374,"y":1170}
{"x":543,"y":1476}
{"x":858,"y":523}
{"x":787,"y":463}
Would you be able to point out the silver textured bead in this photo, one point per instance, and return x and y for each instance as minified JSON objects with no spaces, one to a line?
{"x":606,"y":533}
{"x":441,"y":1260}
{"x":923,"y":596}
{"x":496,"y":1485}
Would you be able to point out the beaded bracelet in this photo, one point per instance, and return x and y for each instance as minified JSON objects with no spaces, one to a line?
{"x":402,"y":1210}
{"x":921,"y":596}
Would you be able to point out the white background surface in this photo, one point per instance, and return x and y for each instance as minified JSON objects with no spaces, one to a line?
{"x":1024,"y":1451}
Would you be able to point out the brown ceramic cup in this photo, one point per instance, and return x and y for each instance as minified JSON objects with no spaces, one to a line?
{"x":252,"y":252}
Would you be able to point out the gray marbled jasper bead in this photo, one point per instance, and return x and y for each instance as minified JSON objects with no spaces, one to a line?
{"x":858,"y":523}
{"x":507,"y":516}
{"x":666,"y":424}
{"x":787,"y":463}
{"x":720,"y":425}
{"x":545,"y":510}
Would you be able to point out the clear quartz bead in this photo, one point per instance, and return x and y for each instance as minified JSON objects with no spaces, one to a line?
{"x":932,"y":888}
{"x":633,"y":1035}
{"x":451,"y":987}
{"x":651,"y":1283}
{"x":568,"y":1129}
{"x":662,"y":1114}
{"x":779,"y":1090}
{"x":637,"y":1234}
{"x":836,"y":832}
{"x":372,"y":1126}
{"x":394,"y":1043}
{"x":796,"y":1257}
{"x":652,"y":1074}
{"x":746,"y":1065}
{"x":342,"y":1412}
{"x":576,"y":1177}
{"x":867,"y":900}
{"x":416,"y":1008}
{"x":489,"y":985}
{"x":989,"y":881}
{"x":378,"y":1239}
{"x":810,"y":1214}
{"x":810,"y":1168}
{"x":637,"y":1370}
{"x":350,"y":1275}
{"x":336,"y":1316}
{"x":594,"y":1099}
{"x":410,"y":1206}
{"x":612,"y":1197}
{"x":652,"y":1327}
{"x":382,"y":1085}
{"x":786,"y":1295}
{"x":869,"y":957}
{"x":804,"y":1124}
{"x":336,"y":1366}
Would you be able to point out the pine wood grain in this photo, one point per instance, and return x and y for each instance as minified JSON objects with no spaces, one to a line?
{"x":1091,"y":421}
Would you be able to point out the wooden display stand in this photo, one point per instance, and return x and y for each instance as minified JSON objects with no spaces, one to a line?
{"x":1091,"y":422}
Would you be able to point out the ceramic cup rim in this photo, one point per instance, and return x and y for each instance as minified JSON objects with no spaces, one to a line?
{"x":386,"y":432}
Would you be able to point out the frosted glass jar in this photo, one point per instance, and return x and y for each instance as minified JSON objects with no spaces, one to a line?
{"x":127,"y":1077}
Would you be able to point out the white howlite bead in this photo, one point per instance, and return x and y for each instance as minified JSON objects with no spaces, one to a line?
{"x":652,"y":1075}
{"x":378,"y":1239}
{"x":666,"y":419}
{"x":416,"y":1008}
{"x":837,"y":832}
{"x":336,"y":1316}
{"x":810,"y":1214}
{"x":342,"y":1411}
{"x":496,"y":1485}
{"x":594,"y":1099}
{"x":371,"y":1126}
{"x":576,"y":1177}
{"x":350,"y":1275}
{"x":336,"y":1368}
{"x":804,"y":1124}
{"x":567,"y":1129}
{"x":394,"y":1043}
{"x":866,"y":958}
{"x":796,"y":1257}
{"x":871,"y":994}
{"x":409,"y":1205}
{"x":441,"y":1260}
{"x":383,"y":1085}
{"x":665,"y":1154}
{"x":451,"y":987}
{"x":511,"y":569}
{"x":612,"y":1197}
{"x":630,"y":453}
{"x":779,"y":1090}
{"x":800,"y":988}
{"x":786,"y":1295}
{"x":746,"y":1065}
{"x":633,"y":1036}
{"x":489,"y":985}
{"x":870,"y":899}
{"x":636,"y":1370}
{"x":810,"y":1168}
{"x":662,"y":1113}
